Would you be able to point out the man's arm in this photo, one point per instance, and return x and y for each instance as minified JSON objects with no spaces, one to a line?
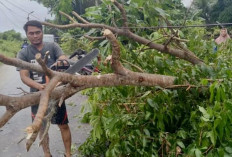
{"x":24,"y":74}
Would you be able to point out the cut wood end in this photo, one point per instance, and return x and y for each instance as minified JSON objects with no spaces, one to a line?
{"x":29,"y":130}
{"x":29,"y":136}
{"x":113,"y":1}
{"x":47,"y":52}
{"x":108,"y":59}
{"x":38,"y":56}
{"x":106,"y":32}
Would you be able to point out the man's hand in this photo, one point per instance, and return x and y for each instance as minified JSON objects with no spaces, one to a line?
{"x":60,"y":65}
{"x":24,"y":74}
{"x":41,"y":86}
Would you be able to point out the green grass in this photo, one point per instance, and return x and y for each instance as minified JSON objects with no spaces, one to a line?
{"x":9,"y":48}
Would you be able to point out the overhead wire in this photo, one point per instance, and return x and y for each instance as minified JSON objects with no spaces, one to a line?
{"x":135,"y":27}
{"x":28,"y":12}
{"x":6,"y":15}
{"x":11,"y":11}
{"x":181,"y":26}
{"x":73,"y":37}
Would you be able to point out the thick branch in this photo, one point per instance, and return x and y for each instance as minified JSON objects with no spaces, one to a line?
{"x":43,"y":106}
{"x":47,"y":71}
{"x":123,"y":12}
{"x":94,"y":38}
{"x":182,"y":54}
{"x":79,"y":17}
{"x":15,"y":104}
{"x":109,"y":80}
{"x":19,"y":63}
{"x":116,"y":64}
{"x":66,"y":15}
{"x":175,"y":52}
{"x":122,"y":76}
{"x":135,"y":66}
{"x":6,"y":116}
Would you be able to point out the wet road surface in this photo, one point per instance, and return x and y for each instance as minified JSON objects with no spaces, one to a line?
{"x":13,"y":131}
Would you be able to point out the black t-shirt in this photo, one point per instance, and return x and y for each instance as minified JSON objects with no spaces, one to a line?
{"x":28,"y":54}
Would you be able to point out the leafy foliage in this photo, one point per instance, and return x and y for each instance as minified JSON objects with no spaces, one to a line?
{"x":146,"y":121}
{"x":225,"y":15}
{"x":221,"y":11}
{"x":10,"y":43}
{"x":204,"y":8}
{"x":10,"y":35}
{"x":69,"y":43}
{"x":67,"y":6}
{"x":152,"y":121}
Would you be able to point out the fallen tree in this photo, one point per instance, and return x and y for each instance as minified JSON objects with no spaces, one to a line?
{"x":121,"y":76}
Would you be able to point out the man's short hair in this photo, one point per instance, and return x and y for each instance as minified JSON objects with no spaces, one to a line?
{"x":32,"y":23}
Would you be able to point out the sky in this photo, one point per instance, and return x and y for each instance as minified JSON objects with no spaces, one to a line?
{"x":187,"y":3}
{"x":14,"y":13}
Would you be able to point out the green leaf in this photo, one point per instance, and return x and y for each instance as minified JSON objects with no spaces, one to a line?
{"x":181,"y":144}
{"x":223,"y":94}
{"x":213,"y":137}
{"x":206,"y":116}
{"x":144,"y":142}
{"x":220,"y":151}
{"x":90,"y":32}
{"x":146,"y":94}
{"x":218,"y":94}
{"x":198,"y":153}
{"x":147,"y":116}
{"x":153,"y":104}
{"x":161,"y":11}
{"x":211,"y":89}
{"x":130,"y":123}
{"x":182,"y":134}
{"x":146,"y":131}
{"x":228,"y":150}
{"x":204,"y":82}
{"x":103,"y":43}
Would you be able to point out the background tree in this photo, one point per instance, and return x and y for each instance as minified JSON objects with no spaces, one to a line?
{"x":10,"y":43}
{"x":69,"y":39}
{"x":78,"y":6}
{"x":10,"y":35}
{"x":213,"y":10}
{"x":204,"y":8}
{"x":221,"y":11}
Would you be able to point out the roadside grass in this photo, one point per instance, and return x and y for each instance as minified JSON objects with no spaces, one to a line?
{"x":9,"y":48}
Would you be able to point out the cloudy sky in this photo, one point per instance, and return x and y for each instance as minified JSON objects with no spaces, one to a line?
{"x":187,"y":2}
{"x":14,"y":13}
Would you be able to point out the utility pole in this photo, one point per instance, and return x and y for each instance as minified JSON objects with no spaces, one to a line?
{"x":29,"y":15}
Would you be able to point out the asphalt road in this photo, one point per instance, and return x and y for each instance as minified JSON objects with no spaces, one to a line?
{"x":13,"y":131}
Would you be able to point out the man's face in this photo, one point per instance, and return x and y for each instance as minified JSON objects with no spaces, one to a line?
{"x":223,"y":33}
{"x":35,"y":35}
